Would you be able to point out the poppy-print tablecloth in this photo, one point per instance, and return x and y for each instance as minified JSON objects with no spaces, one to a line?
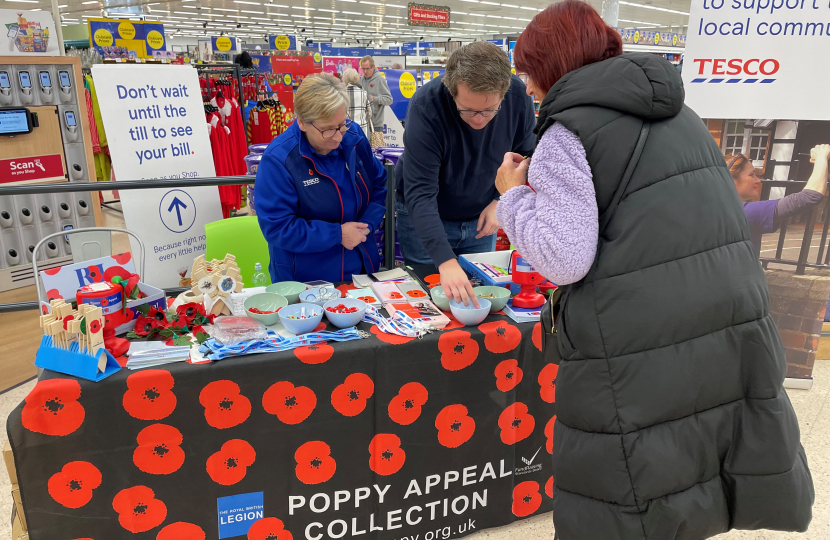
{"x":384,"y":438}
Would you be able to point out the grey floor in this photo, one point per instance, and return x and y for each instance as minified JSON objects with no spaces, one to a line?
{"x":811,"y":406}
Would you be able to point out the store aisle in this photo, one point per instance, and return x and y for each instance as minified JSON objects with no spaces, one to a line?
{"x":812,"y":408}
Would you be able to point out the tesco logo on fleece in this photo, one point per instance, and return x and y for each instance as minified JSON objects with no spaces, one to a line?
{"x":753,"y":70}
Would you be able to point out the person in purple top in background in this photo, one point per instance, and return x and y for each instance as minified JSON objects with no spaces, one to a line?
{"x":767,"y":216}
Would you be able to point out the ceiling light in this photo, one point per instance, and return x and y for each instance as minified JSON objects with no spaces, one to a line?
{"x":33,"y":2}
{"x":530,"y":8}
{"x":302,"y":16}
{"x":352,"y":13}
{"x":237,"y":17}
{"x":328,"y":10}
{"x":63,"y":6}
{"x":223,"y":9}
{"x":493,"y":16}
{"x":246,"y":2}
{"x":636,"y":22}
{"x":246,"y":11}
{"x":371,"y":3}
{"x":302,"y":7}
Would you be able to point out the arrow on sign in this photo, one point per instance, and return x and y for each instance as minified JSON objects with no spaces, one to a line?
{"x":178,"y":205}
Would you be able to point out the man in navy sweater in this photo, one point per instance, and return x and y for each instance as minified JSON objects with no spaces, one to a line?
{"x":458,"y":128}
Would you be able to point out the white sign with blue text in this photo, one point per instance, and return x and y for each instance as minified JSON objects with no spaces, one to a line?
{"x":155,"y":124}
{"x":758,"y":59}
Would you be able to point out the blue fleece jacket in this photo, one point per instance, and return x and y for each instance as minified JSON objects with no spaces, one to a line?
{"x":302,"y":198}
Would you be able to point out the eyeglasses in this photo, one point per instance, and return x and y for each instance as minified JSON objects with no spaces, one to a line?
{"x":484,"y":114}
{"x":329,"y":133}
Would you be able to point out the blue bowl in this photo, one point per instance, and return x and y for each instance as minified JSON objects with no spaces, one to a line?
{"x":313,"y":313}
{"x":312,"y":296}
{"x":468,"y":315}
{"x":345,"y":320}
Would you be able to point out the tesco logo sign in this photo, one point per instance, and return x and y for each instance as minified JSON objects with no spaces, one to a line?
{"x":736,"y":66}
{"x":736,"y":70}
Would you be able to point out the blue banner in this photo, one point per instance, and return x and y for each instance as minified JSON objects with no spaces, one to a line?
{"x":223,"y":44}
{"x":402,"y":84}
{"x":262,"y":63}
{"x":357,"y":53}
{"x":510,"y":53}
{"x":500,"y":42}
{"x":113,"y":38}
{"x":282,"y":43}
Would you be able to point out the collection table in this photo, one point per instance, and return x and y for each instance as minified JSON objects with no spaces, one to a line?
{"x":383,"y":438}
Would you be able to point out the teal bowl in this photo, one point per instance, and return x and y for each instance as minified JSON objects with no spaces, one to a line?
{"x":439,"y":298}
{"x":313,"y":315}
{"x":289,"y":289}
{"x":498,"y":296}
{"x":265,"y":302}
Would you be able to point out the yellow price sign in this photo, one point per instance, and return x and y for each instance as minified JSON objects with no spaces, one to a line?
{"x":407,"y":85}
{"x":155,"y":39}
{"x":223,"y":43}
{"x":657,"y":38}
{"x":674,"y":40}
{"x":126,"y":30}
{"x":287,"y":79}
{"x":318,"y":58}
{"x":282,"y":43}
{"x":102,"y":38}
{"x":636,"y":36}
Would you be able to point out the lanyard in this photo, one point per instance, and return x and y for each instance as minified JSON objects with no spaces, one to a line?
{"x":215,"y":350}
{"x":400,"y":324}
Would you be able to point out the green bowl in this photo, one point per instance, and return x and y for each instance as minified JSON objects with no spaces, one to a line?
{"x":439,"y":298}
{"x":265,"y":302}
{"x":498,"y":296}
{"x":289,"y":289}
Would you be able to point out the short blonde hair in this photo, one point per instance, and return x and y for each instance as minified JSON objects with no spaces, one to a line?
{"x":350,"y":76}
{"x":319,"y":97}
{"x":369,"y":58}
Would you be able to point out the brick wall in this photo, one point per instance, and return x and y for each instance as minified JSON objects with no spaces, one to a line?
{"x":798,"y":305}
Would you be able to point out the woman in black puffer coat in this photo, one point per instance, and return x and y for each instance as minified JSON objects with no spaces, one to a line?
{"x":672,"y":421}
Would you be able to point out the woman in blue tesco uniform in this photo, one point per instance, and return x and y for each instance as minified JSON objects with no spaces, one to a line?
{"x":320,"y":192}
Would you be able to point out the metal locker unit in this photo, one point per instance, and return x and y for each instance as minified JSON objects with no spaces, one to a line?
{"x":51,"y":88}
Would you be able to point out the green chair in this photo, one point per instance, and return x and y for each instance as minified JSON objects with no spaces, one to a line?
{"x":241,"y":237}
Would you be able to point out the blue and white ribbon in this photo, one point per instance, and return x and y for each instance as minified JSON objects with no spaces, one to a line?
{"x":400,"y":324}
{"x":215,"y":350}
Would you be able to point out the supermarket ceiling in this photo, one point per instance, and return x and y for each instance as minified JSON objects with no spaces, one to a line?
{"x":347,"y":20}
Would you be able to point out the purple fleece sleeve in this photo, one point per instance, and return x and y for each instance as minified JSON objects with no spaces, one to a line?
{"x":556,"y":227}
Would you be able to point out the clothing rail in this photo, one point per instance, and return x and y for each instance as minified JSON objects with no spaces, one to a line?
{"x":78,"y":187}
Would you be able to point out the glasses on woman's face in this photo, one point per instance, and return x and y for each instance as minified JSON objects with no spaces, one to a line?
{"x":329,"y":133}
{"x":484,"y":114}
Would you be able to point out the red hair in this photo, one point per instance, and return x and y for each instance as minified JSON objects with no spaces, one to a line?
{"x":562,"y":38}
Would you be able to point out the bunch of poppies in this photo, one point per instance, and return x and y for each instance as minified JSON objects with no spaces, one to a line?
{"x":172,"y":326}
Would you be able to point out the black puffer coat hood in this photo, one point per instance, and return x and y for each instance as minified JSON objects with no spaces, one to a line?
{"x":672,"y":422}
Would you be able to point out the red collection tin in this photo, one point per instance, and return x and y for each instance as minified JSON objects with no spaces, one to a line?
{"x":107,"y":296}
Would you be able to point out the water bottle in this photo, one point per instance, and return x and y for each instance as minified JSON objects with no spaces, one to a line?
{"x":259,"y":279}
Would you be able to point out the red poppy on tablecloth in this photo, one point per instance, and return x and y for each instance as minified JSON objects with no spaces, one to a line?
{"x":320,"y":327}
{"x":53,"y":294}
{"x":526,"y":498}
{"x":52,"y":407}
{"x":500,"y":336}
{"x":346,"y":287}
{"x":314,"y":354}
{"x":138,"y":509}
{"x":549,"y":434}
{"x":122,"y":258}
{"x":549,"y":487}
{"x":515,"y":423}
{"x":230,"y":464}
{"x":392,"y":339}
{"x":159,"y":450}
{"x":291,"y":404}
{"x":508,"y":375}
{"x":458,"y":349}
{"x":536,"y":336}
{"x":114,"y":271}
{"x":269,"y":528}
{"x":405,"y":408}
{"x":547,"y":383}
{"x":188,"y":312}
{"x":149,"y":394}
{"x":453,"y":322}
{"x":72,"y":486}
{"x":455,"y":427}
{"x":349,"y":398}
{"x":94,"y":274}
{"x":181,"y":531}
{"x":224,"y":406}
{"x":385,"y":454}
{"x":314,"y":463}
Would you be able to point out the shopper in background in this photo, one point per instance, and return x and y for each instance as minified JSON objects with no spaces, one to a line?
{"x":379,"y":95}
{"x":767,"y":216}
{"x":671,"y":418}
{"x":456,"y":133}
{"x":360,"y":109}
{"x":320,"y":192}
{"x":244,"y":60}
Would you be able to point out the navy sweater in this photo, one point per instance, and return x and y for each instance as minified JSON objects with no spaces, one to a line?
{"x":448,"y":169}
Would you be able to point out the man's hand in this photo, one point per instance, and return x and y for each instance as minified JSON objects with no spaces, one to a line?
{"x":456,"y":284}
{"x":512,"y":173}
{"x":487,"y":222}
{"x":353,"y":234}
